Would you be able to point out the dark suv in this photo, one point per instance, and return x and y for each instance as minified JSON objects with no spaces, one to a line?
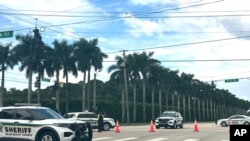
{"x":171,"y":119}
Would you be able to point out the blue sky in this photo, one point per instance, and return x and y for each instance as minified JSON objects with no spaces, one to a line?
{"x":173,"y":29}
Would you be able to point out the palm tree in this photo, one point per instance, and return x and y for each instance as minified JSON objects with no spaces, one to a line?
{"x":154,"y":80}
{"x":186,"y":85}
{"x":6,"y":61}
{"x":146,"y":61}
{"x":96,"y":57}
{"x":68,"y":64}
{"x":29,"y":52}
{"x":171,"y":82}
{"x":134,"y":77}
{"x":118,"y":77}
{"x":54,"y":64}
{"x":88,"y":54}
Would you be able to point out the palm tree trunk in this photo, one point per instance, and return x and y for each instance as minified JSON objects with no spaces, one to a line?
{"x":67,"y":93}
{"x":173,"y":104}
{"x":123,"y":105}
{"x":144,"y":98}
{"x":88,"y":91}
{"x":203,"y":107}
{"x":84,"y":92}
{"x":184,"y":105}
{"x":211,"y":109}
{"x":166,"y":100}
{"x":207,"y":108}
{"x":153,"y":102}
{"x":189,"y":108}
{"x":2,"y":87}
{"x":178,"y":102}
{"x":57,"y":93}
{"x":94,"y":93}
{"x":199,"y":109}
{"x":134,"y":97}
{"x":30,"y":86}
{"x":160,"y":98}
{"x":126,"y":94}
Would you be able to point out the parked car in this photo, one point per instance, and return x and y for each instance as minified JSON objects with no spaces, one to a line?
{"x":36,"y":123}
{"x":234,"y":120}
{"x":91,"y":117}
{"x":171,"y":119}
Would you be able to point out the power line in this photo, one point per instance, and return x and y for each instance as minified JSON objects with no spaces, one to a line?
{"x":208,"y":60}
{"x":193,"y":43}
{"x":119,"y":17}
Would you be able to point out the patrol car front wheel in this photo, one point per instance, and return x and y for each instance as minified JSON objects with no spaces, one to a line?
{"x":47,"y":136}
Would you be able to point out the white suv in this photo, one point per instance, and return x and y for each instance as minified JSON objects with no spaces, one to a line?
{"x":35,"y":123}
{"x":92,"y":119}
{"x":171,"y":119}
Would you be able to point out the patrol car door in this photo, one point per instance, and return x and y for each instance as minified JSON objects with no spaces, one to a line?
{"x":239,"y":120}
{"x":6,"y":116}
{"x":89,"y":117}
{"x":178,"y":118}
{"x":23,"y":124}
{"x":12,"y":127}
{"x":234,"y":120}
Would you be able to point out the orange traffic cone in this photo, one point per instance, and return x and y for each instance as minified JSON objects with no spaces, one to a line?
{"x":117,"y":128}
{"x":151,"y":128}
{"x":195,"y":126}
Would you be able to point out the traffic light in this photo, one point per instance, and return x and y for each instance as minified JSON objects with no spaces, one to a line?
{"x":56,"y":85}
{"x":37,"y":83}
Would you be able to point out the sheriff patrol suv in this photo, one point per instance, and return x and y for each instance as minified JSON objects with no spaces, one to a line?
{"x":171,"y":119}
{"x":36,"y":123}
{"x":91,"y":118}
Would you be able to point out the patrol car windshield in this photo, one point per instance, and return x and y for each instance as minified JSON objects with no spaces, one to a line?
{"x":168,"y":114}
{"x":41,"y":114}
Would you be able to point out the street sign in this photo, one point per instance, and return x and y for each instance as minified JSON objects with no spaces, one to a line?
{"x":231,"y":80}
{"x":45,"y":79}
{"x":6,"y":34}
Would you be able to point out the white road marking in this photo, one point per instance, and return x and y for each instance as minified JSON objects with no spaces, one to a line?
{"x":158,"y":139}
{"x":103,"y":138}
{"x":126,"y":139}
{"x":224,"y":140}
{"x":192,"y":140}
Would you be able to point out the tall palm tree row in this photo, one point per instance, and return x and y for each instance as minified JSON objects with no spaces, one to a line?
{"x":83,"y":55}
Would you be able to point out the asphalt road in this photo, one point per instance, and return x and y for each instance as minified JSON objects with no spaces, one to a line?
{"x":206,"y":132}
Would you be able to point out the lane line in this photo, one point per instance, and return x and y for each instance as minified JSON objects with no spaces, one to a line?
{"x":192,"y":140}
{"x":103,"y":138}
{"x":158,"y":139}
{"x":126,"y":139}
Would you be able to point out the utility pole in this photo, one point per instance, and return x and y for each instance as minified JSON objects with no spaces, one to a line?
{"x":126,"y":86}
{"x":38,"y":45}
